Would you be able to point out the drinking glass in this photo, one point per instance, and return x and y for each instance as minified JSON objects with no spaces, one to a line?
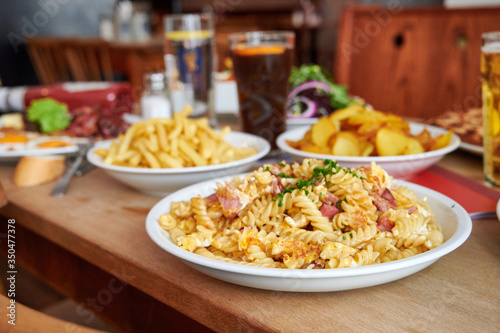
{"x":262,"y":61}
{"x":490,"y":75}
{"x":190,"y":63}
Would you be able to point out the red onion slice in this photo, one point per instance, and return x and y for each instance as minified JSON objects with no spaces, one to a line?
{"x":309,"y":85}
{"x":309,"y":112}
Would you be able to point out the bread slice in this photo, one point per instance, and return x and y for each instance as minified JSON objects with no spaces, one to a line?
{"x":36,"y":170}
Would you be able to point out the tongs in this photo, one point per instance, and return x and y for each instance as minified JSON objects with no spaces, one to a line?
{"x":62,"y":185}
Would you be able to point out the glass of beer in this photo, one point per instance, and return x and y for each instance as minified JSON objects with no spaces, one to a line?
{"x":262,"y":61}
{"x":190,"y":63}
{"x":490,"y":75}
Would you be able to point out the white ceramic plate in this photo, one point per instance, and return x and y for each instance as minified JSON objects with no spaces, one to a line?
{"x":453,"y":218}
{"x":402,"y":167}
{"x":30,"y":149}
{"x":498,"y":210}
{"x":163,"y":181}
{"x":474,"y":149}
{"x":293,"y":123}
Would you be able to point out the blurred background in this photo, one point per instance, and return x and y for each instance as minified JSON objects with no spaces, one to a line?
{"x":418,"y":58}
{"x":314,"y":21}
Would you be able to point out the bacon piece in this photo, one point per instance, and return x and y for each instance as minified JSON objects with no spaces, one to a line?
{"x":412,"y":210}
{"x":331,"y":199}
{"x":232,"y":200}
{"x":84,"y":123}
{"x":276,"y":169}
{"x":211,"y":198}
{"x":384,"y":224}
{"x":387,"y":196}
{"x":329,"y":211}
{"x":384,"y":200}
{"x":277,"y":186}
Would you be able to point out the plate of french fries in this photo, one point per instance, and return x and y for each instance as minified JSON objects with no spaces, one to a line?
{"x":159,"y":156}
{"x":356,"y":136}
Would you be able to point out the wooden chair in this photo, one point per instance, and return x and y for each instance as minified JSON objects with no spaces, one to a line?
{"x":49,"y":59}
{"x":417,"y":62}
{"x":89,"y":59}
{"x":59,"y":60}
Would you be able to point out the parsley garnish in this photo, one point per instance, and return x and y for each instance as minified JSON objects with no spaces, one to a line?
{"x":339,"y":204}
{"x":284,"y":175}
{"x":319,"y":173}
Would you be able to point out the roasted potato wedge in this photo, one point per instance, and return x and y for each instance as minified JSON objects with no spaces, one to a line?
{"x":357,"y":131}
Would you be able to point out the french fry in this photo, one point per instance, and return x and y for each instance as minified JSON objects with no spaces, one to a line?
{"x":193,"y":155}
{"x":127,"y":138}
{"x":152,"y":143}
{"x":101,"y":152}
{"x":169,"y":161}
{"x":149,"y":157}
{"x":113,"y":150}
{"x":125,"y":156}
{"x":162,"y":136}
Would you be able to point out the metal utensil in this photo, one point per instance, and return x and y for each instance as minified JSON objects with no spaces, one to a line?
{"x":62,"y":185}
{"x":84,"y":168}
{"x":483,"y":215}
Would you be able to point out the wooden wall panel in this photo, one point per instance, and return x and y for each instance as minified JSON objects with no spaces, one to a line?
{"x":414,"y":62}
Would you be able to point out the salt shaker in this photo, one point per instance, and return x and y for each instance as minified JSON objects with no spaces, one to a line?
{"x":154,"y":100}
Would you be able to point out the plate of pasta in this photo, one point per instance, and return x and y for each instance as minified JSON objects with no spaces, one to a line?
{"x":308,"y":227}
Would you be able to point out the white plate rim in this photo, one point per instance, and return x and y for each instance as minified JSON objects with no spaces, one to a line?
{"x":298,"y":133}
{"x":263,"y":150}
{"x":73,"y":148}
{"x":458,"y":238}
{"x":469,"y":147}
{"x":498,"y":209}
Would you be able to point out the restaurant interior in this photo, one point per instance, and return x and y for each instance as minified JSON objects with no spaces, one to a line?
{"x":82,"y":261}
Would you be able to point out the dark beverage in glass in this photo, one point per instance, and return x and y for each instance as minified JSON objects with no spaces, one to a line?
{"x":262,"y":62}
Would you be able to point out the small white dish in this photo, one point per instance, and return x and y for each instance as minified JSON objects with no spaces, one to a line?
{"x":160,"y":182}
{"x":12,"y":153}
{"x":498,"y":210}
{"x":293,"y":123}
{"x":456,"y":225}
{"x":403,"y":166}
{"x":473,"y":149}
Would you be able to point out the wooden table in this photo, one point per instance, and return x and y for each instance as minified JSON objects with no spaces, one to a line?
{"x":92,"y":246}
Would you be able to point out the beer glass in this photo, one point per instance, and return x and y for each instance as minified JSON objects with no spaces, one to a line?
{"x":262,"y":61}
{"x":490,"y":75}
{"x":190,"y":63}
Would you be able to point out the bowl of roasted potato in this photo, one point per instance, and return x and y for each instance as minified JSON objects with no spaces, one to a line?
{"x":160,"y":156}
{"x":356,"y":136}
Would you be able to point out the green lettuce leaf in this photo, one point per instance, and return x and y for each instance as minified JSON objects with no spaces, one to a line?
{"x":50,"y":114}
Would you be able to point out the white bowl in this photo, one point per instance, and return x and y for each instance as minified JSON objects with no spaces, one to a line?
{"x":402,"y":166}
{"x":163,"y":181}
{"x":455,"y":222}
{"x":293,"y":123}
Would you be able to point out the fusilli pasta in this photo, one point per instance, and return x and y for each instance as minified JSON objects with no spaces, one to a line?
{"x":308,"y":215}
